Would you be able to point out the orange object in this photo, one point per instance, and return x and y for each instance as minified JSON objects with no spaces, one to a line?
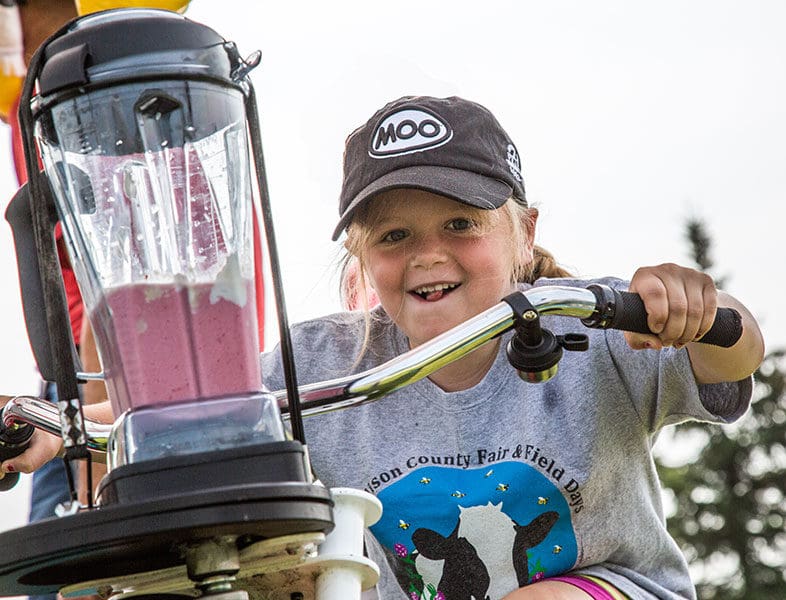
{"x":12,"y":65}
{"x":85,"y":7}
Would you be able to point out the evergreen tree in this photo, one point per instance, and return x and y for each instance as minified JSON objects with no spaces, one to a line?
{"x":730,"y":503}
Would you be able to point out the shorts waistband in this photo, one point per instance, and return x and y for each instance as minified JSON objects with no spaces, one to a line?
{"x":595,"y":587}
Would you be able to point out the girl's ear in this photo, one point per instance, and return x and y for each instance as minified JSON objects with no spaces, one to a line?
{"x":529,"y":221}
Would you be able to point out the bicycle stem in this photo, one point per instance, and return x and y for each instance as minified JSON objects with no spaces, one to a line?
{"x":361,"y":388}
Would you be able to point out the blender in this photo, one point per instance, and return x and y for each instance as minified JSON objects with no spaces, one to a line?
{"x":146,"y":125}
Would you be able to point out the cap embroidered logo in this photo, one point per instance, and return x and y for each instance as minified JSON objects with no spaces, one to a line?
{"x":514,"y":163}
{"x":407,"y":131}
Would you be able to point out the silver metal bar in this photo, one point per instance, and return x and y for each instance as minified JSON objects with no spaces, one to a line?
{"x":422,"y":361}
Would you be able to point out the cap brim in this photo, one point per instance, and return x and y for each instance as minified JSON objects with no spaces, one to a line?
{"x":463,"y":186}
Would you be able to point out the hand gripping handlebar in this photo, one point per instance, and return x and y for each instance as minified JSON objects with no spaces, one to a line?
{"x":625,"y":311}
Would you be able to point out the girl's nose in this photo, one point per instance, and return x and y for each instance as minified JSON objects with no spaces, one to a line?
{"x":428,"y":253}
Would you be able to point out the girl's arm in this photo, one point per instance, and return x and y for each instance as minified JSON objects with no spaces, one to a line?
{"x":681,"y":305}
{"x":713,"y":364}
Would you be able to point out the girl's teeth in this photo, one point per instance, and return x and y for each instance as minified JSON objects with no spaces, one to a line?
{"x":434,"y":292}
{"x":434,"y":288}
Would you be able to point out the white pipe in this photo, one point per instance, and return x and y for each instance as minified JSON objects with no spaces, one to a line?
{"x":346,"y":569}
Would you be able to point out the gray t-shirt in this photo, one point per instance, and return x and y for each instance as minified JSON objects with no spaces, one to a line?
{"x":490,"y":488}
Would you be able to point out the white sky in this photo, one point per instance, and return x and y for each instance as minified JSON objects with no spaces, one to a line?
{"x":629,"y":117}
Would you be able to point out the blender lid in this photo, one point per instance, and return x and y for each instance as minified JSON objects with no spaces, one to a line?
{"x":132,"y":44}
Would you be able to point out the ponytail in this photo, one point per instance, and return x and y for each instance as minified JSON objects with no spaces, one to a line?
{"x":544,"y":265}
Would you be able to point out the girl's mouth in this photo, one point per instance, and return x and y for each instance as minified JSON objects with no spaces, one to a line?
{"x":432,"y":293}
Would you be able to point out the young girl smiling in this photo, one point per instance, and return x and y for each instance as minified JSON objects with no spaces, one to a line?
{"x":492,"y":487}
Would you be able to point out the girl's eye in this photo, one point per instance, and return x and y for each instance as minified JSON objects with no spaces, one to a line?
{"x":460,"y":224}
{"x":394,"y":236}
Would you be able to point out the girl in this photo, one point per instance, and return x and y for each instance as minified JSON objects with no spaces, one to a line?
{"x":492,"y":487}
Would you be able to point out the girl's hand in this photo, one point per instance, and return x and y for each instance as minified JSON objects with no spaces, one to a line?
{"x":43,"y":448}
{"x":680,"y":303}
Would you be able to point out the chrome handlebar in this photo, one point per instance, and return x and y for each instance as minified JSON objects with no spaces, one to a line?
{"x":422,"y":361}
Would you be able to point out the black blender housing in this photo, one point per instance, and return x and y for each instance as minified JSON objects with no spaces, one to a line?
{"x":150,"y":509}
{"x":112,"y":47}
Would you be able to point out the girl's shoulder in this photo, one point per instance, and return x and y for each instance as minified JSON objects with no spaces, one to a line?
{"x":332,"y":322}
{"x":344,"y":332}
{"x":343,"y":324}
{"x":332,"y":346}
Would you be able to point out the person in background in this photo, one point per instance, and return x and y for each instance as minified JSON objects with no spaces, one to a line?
{"x":35,"y":21}
{"x":23,"y":27}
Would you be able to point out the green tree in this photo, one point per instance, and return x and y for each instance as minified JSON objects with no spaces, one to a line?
{"x":729,"y":503}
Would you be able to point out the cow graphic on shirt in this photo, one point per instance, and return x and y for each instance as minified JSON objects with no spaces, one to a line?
{"x":477,"y":558}
{"x":474,"y":534}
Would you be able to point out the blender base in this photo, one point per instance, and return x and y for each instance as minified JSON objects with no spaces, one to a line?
{"x":159,"y":509}
{"x":283,"y":568}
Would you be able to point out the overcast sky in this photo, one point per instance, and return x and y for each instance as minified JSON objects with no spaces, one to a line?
{"x":630,"y":117}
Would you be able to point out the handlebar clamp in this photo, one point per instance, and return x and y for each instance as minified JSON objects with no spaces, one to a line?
{"x":606,"y":300}
{"x":533,"y":351}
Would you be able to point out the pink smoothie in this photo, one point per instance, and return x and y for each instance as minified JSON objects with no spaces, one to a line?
{"x":177,"y":344}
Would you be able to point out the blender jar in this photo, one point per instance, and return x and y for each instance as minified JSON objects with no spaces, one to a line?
{"x":152,"y":186}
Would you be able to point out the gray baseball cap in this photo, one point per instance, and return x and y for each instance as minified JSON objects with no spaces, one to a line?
{"x":448,"y":146}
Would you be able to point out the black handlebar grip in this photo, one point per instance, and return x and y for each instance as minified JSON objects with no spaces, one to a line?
{"x":13,"y":441}
{"x":630,"y":315}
